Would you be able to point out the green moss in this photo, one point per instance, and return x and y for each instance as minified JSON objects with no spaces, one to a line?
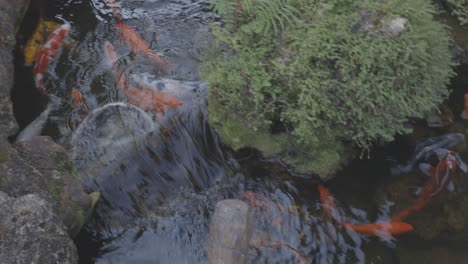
{"x":56,"y":189}
{"x":4,"y":155}
{"x":65,"y":164}
{"x":321,"y":78}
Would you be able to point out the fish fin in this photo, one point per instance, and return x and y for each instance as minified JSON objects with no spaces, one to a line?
{"x":451,"y":186}
{"x":426,"y":168}
{"x":55,"y":102}
{"x":441,"y":153}
{"x":461,"y":164}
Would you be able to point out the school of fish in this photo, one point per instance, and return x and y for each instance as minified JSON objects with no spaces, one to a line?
{"x":42,"y":52}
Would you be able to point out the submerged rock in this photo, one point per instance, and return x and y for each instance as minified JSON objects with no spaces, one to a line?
{"x":32,"y":233}
{"x":231,"y":229}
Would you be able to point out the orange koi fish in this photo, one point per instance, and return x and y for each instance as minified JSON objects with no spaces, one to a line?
{"x":380,"y":228}
{"x":328,"y":203}
{"x":148,"y":100}
{"x":441,"y":177}
{"x":138,"y":44}
{"x":47,"y":53}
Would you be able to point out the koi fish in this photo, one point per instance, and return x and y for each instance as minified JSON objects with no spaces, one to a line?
{"x":380,"y":228}
{"x":328,"y":203}
{"x":47,"y":53}
{"x":36,"y":126}
{"x":37,"y":39}
{"x":138,"y":44}
{"x":441,"y":177}
{"x":148,"y":100}
{"x":427,"y":148}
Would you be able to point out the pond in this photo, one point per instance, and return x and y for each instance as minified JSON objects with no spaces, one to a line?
{"x":160,"y":173}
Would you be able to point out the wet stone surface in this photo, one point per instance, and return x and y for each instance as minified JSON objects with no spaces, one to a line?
{"x":231,"y":229}
{"x":30,"y":232}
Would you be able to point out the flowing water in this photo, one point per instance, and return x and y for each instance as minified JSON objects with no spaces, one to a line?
{"x":161,"y":175}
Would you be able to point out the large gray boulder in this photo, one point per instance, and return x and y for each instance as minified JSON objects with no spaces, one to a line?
{"x":231,"y":229}
{"x":30,"y":232}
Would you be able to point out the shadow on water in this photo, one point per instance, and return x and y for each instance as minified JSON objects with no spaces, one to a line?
{"x":161,"y":175}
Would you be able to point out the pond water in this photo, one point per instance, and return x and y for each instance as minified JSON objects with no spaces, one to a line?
{"x":159,"y":188}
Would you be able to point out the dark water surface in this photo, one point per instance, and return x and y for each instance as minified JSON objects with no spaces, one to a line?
{"x":159,"y":189}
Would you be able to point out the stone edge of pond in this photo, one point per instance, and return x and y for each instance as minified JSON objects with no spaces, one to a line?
{"x":40,"y":208}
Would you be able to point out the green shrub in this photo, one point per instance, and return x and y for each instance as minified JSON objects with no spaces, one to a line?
{"x":459,"y":9}
{"x":322,"y":81}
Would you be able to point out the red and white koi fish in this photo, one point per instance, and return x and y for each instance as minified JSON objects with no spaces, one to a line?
{"x":47,"y":53}
{"x":381,"y":228}
{"x":441,"y":177}
{"x":148,"y":100}
{"x":139,"y":45}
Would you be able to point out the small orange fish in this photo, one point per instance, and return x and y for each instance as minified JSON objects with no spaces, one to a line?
{"x":328,"y":202}
{"x":148,"y":100}
{"x":138,"y":44}
{"x":381,"y":228}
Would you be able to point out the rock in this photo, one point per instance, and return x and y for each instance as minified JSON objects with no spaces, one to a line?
{"x":30,"y":232}
{"x":73,"y":205}
{"x":380,"y":27}
{"x":11,"y":13}
{"x":231,"y":229}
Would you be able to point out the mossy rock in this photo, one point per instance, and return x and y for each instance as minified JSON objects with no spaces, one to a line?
{"x":4,"y":154}
{"x":328,"y":75}
{"x":72,"y":203}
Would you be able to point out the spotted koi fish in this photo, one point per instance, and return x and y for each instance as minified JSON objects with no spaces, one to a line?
{"x":37,"y":39}
{"x":441,"y":177}
{"x":47,"y":53}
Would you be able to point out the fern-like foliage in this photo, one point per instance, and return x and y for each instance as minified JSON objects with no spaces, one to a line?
{"x":326,"y":84}
{"x":257,"y":15}
{"x":459,"y":9}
